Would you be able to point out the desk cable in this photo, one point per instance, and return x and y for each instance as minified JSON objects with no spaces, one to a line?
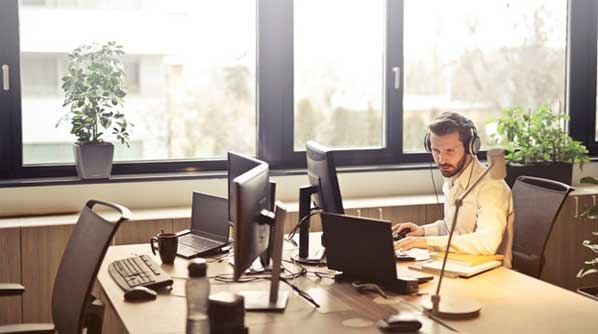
{"x":312,"y":212}
{"x":287,"y":279}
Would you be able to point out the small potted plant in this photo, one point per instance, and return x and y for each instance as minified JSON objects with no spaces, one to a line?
{"x":94,"y":93}
{"x":538,"y":145}
{"x":590,"y":266}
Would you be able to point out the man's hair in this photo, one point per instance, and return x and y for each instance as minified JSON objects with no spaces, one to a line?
{"x":449,"y":122}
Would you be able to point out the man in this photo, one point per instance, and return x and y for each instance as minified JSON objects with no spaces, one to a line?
{"x":484,"y":225}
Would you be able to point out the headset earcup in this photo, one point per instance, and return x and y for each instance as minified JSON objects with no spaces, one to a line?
{"x":475,"y":143}
{"x":427,"y":144}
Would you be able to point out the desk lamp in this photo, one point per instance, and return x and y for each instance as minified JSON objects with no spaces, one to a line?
{"x":463,"y":308}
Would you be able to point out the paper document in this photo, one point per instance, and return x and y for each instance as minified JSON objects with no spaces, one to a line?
{"x":419,"y":254}
{"x":467,"y":259}
{"x":455,"y":270}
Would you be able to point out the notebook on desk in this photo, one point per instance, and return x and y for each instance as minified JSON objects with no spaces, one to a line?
{"x":467,"y":259}
{"x":454,"y":269}
{"x":209,"y":226}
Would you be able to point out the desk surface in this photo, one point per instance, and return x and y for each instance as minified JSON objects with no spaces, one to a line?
{"x":511,"y":303}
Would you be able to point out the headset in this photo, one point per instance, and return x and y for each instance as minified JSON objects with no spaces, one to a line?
{"x":472,"y":144}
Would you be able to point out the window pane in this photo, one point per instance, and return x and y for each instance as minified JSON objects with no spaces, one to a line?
{"x":338,"y":73}
{"x":190,"y":73}
{"x":479,"y":57}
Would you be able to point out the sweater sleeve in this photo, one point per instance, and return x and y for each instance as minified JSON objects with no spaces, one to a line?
{"x":492,"y":213}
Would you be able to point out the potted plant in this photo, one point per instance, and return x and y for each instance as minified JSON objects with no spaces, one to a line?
{"x":94,"y":91}
{"x":590,"y":266}
{"x":538,"y":145}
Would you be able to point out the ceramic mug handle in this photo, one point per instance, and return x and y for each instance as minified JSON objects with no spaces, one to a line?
{"x":152,"y":244}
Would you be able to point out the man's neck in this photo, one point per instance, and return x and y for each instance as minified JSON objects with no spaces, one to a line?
{"x":468,"y":161}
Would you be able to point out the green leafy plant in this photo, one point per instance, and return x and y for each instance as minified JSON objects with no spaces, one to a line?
{"x":538,"y":137}
{"x":95,"y":89}
{"x":590,"y":266}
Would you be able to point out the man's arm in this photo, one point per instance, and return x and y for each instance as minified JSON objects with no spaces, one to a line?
{"x":436,"y":228}
{"x":493,"y":200}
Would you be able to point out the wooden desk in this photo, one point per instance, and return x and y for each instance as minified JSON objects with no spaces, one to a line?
{"x":511,"y":303}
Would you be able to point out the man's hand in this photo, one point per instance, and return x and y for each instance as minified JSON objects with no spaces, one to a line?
{"x":414,"y":230}
{"x":411,"y":242}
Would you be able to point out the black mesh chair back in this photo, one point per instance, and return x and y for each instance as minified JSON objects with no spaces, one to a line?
{"x":80,"y":263}
{"x":536,"y":203}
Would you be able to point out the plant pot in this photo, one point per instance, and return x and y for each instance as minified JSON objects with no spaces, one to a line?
{"x":93,"y":160}
{"x":561,"y":172}
{"x":589,"y":291}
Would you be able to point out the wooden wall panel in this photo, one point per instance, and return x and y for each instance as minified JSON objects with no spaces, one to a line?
{"x":434,"y":212}
{"x":179,"y":224}
{"x":10,"y":262}
{"x":290,"y":221}
{"x":140,"y":231}
{"x":403,"y":214}
{"x":42,"y":249}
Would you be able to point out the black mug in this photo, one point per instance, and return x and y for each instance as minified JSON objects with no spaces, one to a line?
{"x":167,"y":246}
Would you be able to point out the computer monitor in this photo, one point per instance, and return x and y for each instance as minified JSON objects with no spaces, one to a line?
{"x":321,"y":172}
{"x":325,"y":192}
{"x":239,"y":164}
{"x":252,"y":220}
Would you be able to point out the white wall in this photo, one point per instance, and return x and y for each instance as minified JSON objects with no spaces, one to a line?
{"x":61,"y":199}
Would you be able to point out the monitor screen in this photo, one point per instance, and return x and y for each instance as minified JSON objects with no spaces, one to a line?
{"x":237,"y":165}
{"x":250,"y":195}
{"x":321,"y":171}
{"x":209,"y":216}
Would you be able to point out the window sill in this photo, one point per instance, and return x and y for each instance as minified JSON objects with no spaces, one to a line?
{"x":127,"y":178}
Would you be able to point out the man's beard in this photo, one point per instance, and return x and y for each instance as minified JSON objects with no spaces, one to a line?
{"x":455,"y":170}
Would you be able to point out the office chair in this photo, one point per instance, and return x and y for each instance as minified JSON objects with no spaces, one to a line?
{"x":73,"y":306}
{"x":536,"y":203}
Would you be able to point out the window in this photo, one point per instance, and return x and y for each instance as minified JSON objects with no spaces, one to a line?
{"x":338,"y":73}
{"x":262,"y":77}
{"x":191,"y":79}
{"x":478,"y":58}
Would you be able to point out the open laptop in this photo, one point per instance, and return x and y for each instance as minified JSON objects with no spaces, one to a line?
{"x":362,"y":249}
{"x":209,"y":226}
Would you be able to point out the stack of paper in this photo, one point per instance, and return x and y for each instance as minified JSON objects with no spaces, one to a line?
{"x":453,"y":269}
{"x":467,"y":259}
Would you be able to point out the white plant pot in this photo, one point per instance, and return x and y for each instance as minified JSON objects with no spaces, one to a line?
{"x":93,"y":160}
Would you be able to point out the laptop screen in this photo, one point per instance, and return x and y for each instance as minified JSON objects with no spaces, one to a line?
{"x":359,"y":247}
{"x":209,"y":216}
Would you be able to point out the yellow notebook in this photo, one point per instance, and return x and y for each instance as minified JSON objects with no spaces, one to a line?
{"x":467,"y":259}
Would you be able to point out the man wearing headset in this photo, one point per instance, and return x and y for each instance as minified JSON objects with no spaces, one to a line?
{"x":484,"y":225}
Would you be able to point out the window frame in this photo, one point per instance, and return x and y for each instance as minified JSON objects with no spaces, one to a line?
{"x":275,"y":100}
{"x":581,"y":84}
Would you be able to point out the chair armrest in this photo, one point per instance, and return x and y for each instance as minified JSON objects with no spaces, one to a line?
{"x":11,"y":289}
{"x":41,"y":328}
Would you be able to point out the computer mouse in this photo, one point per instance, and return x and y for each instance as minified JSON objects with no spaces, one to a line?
{"x":400,"y":323}
{"x":140,"y":293}
{"x":396,"y":236}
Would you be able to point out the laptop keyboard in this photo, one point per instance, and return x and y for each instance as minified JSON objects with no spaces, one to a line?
{"x":198,"y":243}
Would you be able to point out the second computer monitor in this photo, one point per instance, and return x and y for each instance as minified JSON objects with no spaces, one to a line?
{"x":249,"y":201}
{"x":321,"y":171}
{"x":237,"y":165}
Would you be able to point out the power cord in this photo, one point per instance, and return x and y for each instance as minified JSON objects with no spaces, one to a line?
{"x":227,"y":278}
{"x":289,"y":238}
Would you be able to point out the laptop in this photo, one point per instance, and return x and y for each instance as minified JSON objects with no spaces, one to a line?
{"x":362,"y":249}
{"x":209,"y":226}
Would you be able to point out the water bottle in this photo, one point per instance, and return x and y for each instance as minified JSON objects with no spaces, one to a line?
{"x":197,"y":290}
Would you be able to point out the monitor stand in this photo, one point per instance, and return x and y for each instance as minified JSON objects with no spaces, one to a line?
{"x":315,"y":257}
{"x":306,"y":255}
{"x":273,"y":300}
{"x":261,"y":301}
